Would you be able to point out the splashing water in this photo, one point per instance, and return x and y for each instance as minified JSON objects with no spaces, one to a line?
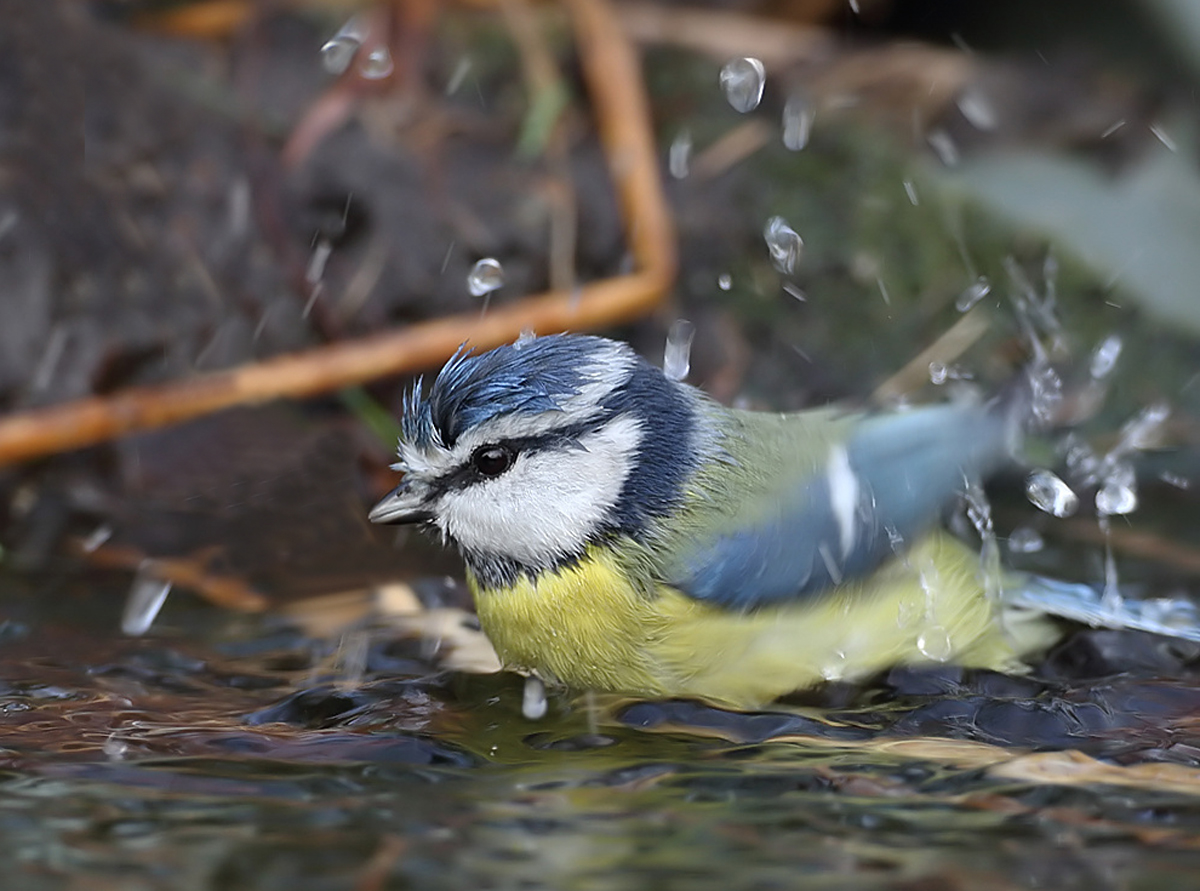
{"x":1111,"y":600}
{"x":1144,"y":430}
{"x":1083,"y":465}
{"x":910,"y":189}
{"x":680,"y":154}
{"x":1117,"y":495}
{"x":147,"y":594}
{"x":835,"y":668}
{"x":377,"y":64}
{"x":1174,"y":479}
{"x":339,"y":51}
{"x":743,"y":81}
{"x":973,"y":294}
{"x":794,"y":292}
{"x":979,"y":512}
{"x":977,"y":109}
{"x":724,"y":281}
{"x":1104,"y":357}
{"x":798,"y":115}
{"x":677,"y":356}
{"x":944,"y":147}
{"x":1045,"y":389}
{"x":784,"y":244}
{"x":485,"y":277}
{"x":935,"y":644}
{"x":941,"y":373}
{"x":1050,"y":494}
{"x":1162,"y":136}
{"x":1024,"y":540}
{"x":96,"y":538}
{"x":533,"y":700}
{"x":461,"y":70}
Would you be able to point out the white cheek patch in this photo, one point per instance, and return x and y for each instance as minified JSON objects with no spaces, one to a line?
{"x":844,"y":494}
{"x":548,"y":503}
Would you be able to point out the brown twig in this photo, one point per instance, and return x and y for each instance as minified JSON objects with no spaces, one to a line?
{"x":726,"y":34}
{"x":614,"y":80}
{"x":951,"y":344}
{"x":192,"y":572}
{"x":206,"y":19}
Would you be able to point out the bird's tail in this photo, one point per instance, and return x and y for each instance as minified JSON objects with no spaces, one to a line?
{"x":1099,"y":608}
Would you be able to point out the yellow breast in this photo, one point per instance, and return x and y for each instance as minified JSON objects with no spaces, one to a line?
{"x":588,"y":627}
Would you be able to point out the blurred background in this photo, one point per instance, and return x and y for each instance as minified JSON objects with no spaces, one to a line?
{"x":874,"y":201}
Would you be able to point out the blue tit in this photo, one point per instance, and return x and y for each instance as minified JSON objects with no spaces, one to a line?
{"x":624,"y":532}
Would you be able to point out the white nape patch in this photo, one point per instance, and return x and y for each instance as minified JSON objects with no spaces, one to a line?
{"x":548,"y":503}
{"x":844,"y":493}
{"x":609,"y":368}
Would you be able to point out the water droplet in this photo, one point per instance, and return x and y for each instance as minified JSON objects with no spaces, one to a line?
{"x":1045,"y":390}
{"x":1117,"y":495}
{"x":1082,"y":463}
{"x":1161,"y":135}
{"x":909,"y":613}
{"x":1111,"y":600}
{"x":854,"y":7}
{"x":835,"y":667}
{"x":944,"y":147}
{"x":1024,"y":540}
{"x":322,"y":251}
{"x":1104,"y":357}
{"x":680,"y":154}
{"x":934,"y":643}
{"x":461,"y":70}
{"x":724,"y":281}
{"x":533,"y":700}
{"x":377,"y":64}
{"x":910,"y":189}
{"x":794,"y":292}
{"x":146,"y":597}
{"x":96,"y":538}
{"x":114,"y":748}
{"x":1144,"y":430}
{"x":937,"y":373}
{"x":486,"y":276}
{"x":1174,"y":479}
{"x":798,"y":118}
{"x":677,"y":357}
{"x":743,"y":81}
{"x":977,"y":109}
{"x":973,"y":294}
{"x":1049,"y":493}
{"x":979,"y":510}
{"x":339,"y":51}
{"x":783,"y":243}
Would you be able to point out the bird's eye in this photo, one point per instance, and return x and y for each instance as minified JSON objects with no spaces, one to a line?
{"x":492,"y":460}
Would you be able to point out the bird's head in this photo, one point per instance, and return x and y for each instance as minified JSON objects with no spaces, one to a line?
{"x":525,"y":455}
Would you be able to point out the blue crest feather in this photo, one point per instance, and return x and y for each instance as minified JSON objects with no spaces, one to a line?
{"x":529,"y":377}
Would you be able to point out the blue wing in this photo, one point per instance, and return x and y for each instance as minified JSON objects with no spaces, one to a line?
{"x":881,"y":488}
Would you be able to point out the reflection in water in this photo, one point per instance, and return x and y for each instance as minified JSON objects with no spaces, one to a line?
{"x":231,"y":757}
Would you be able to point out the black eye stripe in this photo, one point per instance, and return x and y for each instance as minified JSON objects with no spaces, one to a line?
{"x":466,"y":474}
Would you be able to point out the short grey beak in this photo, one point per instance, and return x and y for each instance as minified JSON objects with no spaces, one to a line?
{"x":402,"y":505}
